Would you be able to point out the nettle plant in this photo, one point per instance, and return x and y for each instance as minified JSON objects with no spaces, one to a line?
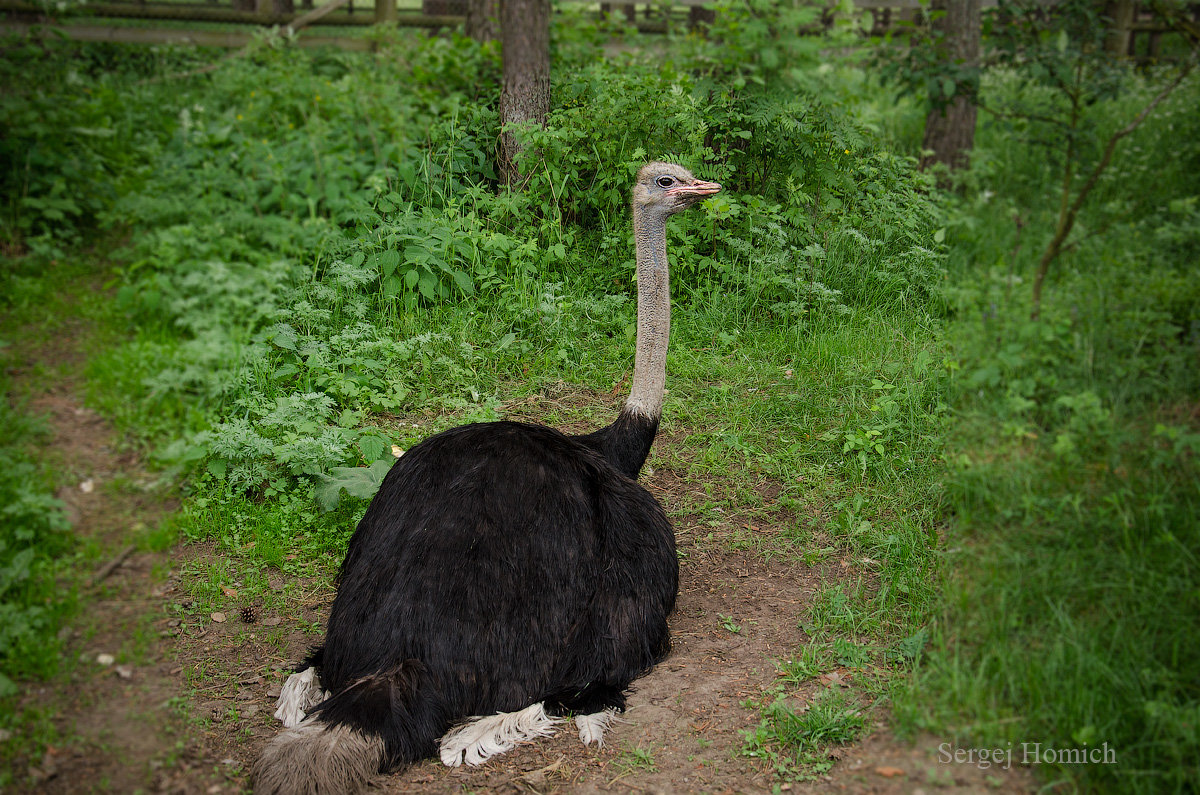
{"x":326,"y":366}
{"x":295,"y":415}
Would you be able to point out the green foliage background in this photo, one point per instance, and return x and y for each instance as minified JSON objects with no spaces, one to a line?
{"x":316,"y":263}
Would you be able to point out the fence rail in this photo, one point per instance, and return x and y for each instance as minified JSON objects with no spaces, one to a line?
{"x":22,"y":14}
{"x":231,"y":39}
{"x":429,"y":13}
{"x":226,"y":12}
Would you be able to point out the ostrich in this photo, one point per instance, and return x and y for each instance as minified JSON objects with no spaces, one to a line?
{"x":505,"y":571}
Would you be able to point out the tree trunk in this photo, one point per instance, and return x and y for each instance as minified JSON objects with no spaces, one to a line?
{"x":699,"y":17}
{"x":385,"y":11}
{"x":1122,"y":13}
{"x":483,"y":20}
{"x":950,"y":126}
{"x":274,"y":7}
{"x":525,"y":95}
{"x":442,"y":8}
{"x":1154,"y":46}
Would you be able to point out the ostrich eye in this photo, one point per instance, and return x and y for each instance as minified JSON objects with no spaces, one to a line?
{"x":665,"y":182}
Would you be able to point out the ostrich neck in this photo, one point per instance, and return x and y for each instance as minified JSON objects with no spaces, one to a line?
{"x":653,"y":316}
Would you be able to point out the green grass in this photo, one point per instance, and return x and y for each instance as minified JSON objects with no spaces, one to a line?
{"x":1071,"y":488}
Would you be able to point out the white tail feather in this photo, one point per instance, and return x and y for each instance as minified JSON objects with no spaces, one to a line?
{"x":592,"y":727}
{"x":479,"y":738}
{"x":300,"y":693}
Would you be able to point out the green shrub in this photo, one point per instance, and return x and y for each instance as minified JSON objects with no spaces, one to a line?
{"x":303,"y":231}
{"x":73,"y":136}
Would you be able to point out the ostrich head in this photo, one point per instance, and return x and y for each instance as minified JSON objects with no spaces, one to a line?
{"x":663,"y":189}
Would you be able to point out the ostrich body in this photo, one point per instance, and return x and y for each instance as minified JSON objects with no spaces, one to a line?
{"x":503,"y":570}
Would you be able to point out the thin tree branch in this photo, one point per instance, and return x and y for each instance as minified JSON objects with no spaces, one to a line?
{"x":1069,"y":213}
{"x":315,"y":14}
{"x":1000,"y":114}
{"x":111,"y":566}
{"x":1116,"y":137}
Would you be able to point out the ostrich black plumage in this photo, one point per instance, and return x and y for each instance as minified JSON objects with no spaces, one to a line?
{"x":503,"y":570}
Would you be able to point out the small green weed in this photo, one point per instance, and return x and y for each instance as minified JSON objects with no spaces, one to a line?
{"x":844,"y":608}
{"x":792,"y":740}
{"x":729,"y":624}
{"x":634,"y":759}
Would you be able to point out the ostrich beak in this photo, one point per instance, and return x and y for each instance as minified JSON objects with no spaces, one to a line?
{"x":697,"y":188}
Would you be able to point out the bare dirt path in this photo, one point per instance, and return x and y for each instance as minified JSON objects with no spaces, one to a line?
{"x":115,"y":703}
{"x":186,"y":707}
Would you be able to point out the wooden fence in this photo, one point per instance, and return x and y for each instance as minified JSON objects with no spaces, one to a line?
{"x":414,"y":13}
{"x":1132,"y":20}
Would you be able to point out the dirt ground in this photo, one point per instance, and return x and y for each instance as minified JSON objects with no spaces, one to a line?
{"x":141,"y":723}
